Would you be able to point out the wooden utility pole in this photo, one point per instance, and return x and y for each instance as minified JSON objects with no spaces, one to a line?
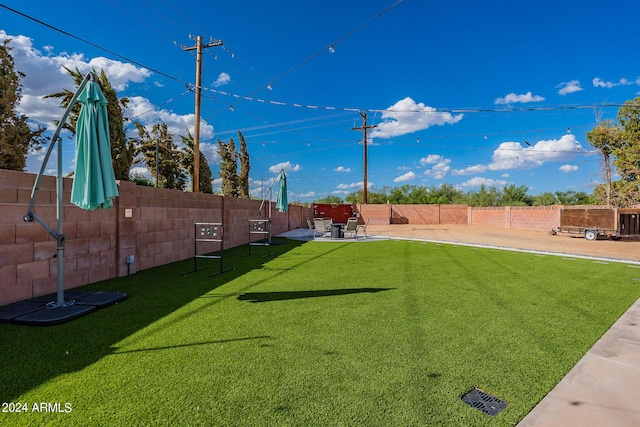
{"x":364,"y":128}
{"x":196,"y":126}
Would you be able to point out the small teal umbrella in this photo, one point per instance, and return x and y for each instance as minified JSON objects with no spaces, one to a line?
{"x":281,"y":203}
{"x":94,"y":183}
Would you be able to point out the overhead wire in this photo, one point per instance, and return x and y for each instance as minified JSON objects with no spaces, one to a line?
{"x":117,"y":55}
{"x":452,"y":110}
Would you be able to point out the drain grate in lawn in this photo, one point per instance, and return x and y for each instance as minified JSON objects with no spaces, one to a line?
{"x":485,"y":402}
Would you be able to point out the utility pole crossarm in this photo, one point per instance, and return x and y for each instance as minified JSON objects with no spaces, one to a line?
{"x":364,"y":128}
{"x":196,"y":126}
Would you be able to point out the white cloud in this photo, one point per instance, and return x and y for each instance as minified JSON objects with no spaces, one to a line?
{"x":569,"y":87}
{"x":568,"y":168}
{"x":488,"y":182}
{"x":470,"y":170}
{"x":409,"y":176}
{"x":342,"y":169}
{"x":222,"y":79}
{"x":512,"y":155}
{"x":354,"y":185}
{"x":524,"y":98}
{"x":177,"y":124}
{"x":598,"y":82}
{"x":287,"y":166}
{"x":431,"y":159}
{"x":405,"y":116}
{"x":440,"y":166}
{"x":309,"y":194}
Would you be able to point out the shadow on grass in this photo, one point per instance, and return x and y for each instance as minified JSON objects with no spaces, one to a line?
{"x":32,"y":355}
{"x":288,"y":295}
{"x":169,"y":347}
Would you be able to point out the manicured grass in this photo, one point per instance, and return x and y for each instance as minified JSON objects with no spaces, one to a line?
{"x":385,"y":333}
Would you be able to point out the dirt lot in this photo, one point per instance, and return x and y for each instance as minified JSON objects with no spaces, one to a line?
{"x":520,"y":239}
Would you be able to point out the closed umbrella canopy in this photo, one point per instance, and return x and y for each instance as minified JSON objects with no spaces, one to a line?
{"x":94,"y":182}
{"x":281,"y":203}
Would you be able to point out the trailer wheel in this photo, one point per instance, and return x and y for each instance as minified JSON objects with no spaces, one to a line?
{"x":590,"y":234}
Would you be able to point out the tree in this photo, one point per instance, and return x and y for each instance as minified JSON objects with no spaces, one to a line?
{"x":122,"y":149}
{"x":374,"y":197}
{"x":572,"y":198}
{"x":627,"y":153}
{"x":446,"y":194}
{"x":16,"y":137}
{"x":605,"y":137}
{"x":484,"y":197}
{"x":515,"y":196}
{"x":228,"y":168}
{"x":545,"y":199}
{"x":331,"y":199}
{"x":243,"y":178}
{"x":161,"y":156}
{"x":186,"y":161}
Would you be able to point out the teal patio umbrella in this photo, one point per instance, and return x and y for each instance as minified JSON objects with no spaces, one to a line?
{"x":94,"y":183}
{"x":93,"y":187}
{"x":281,"y":202}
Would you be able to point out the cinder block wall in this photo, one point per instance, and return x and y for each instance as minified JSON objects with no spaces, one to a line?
{"x":538,"y":218}
{"x":155,"y":226}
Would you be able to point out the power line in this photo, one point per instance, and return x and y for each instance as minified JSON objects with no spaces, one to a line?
{"x":92,"y":44}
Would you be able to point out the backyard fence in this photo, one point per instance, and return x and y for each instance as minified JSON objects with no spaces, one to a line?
{"x":150,"y":227}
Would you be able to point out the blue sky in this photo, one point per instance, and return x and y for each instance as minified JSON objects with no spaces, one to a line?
{"x":463,"y":93}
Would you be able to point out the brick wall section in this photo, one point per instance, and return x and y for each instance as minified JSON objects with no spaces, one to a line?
{"x":489,"y":217}
{"x":374,"y":214}
{"x":538,"y":218}
{"x":155,"y":226}
{"x":453,"y":214}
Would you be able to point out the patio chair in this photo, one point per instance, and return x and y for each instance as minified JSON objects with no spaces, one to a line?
{"x":351,"y":229}
{"x":320,"y":227}
{"x":312,"y":228}
{"x":363,"y":227}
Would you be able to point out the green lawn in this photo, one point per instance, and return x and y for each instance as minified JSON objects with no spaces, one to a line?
{"x":386,"y":333}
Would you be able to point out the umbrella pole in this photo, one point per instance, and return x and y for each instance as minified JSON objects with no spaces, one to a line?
{"x":31,"y":216}
{"x":60,"y":236}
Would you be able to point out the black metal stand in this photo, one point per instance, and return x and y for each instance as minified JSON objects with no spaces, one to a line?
{"x":208,"y":232}
{"x":260,"y":227}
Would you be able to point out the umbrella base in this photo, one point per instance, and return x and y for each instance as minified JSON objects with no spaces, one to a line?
{"x":54,"y":316}
{"x":43,"y":311}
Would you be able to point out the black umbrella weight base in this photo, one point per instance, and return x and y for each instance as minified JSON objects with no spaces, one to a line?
{"x":54,"y":315}
{"x":44,"y":311}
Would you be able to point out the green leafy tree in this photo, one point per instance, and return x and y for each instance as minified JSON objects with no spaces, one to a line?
{"x":627,"y":153}
{"x":331,"y":199}
{"x":16,"y":137}
{"x":571,"y":198}
{"x":123,"y":150}
{"x":373,"y":197}
{"x":245,"y":167}
{"x":161,"y":156}
{"x":515,"y":196}
{"x":446,"y":194}
{"x":186,"y":161}
{"x":484,"y":197}
{"x":545,"y":199}
{"x":605,"y":138}
{"x":228,"y":168}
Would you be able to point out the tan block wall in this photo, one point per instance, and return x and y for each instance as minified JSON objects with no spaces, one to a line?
{"x":154,"y":225}
{"x":538,"y":218}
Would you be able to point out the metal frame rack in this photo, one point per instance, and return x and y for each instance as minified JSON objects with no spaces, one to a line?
{"x":263,"y":227}
{"x":208,"y":232}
